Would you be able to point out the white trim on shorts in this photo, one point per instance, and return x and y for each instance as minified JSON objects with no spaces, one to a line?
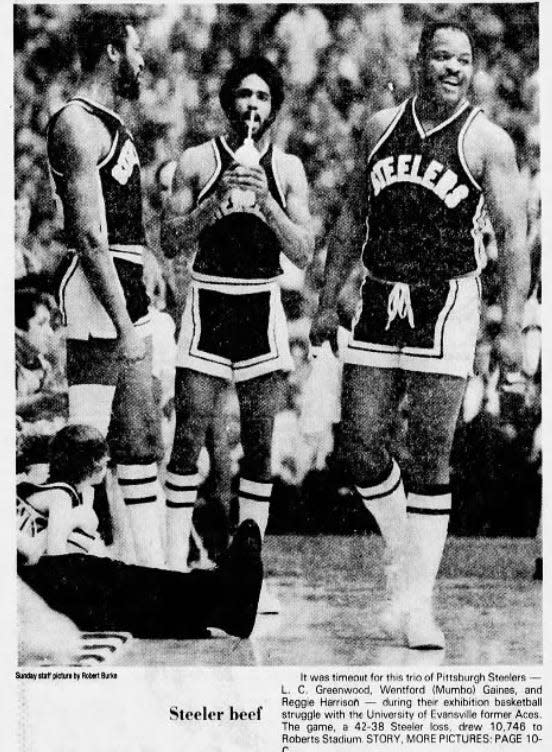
{"x":190,"y":356}
{"x":83,"y":314}
{"x":454,"y":343}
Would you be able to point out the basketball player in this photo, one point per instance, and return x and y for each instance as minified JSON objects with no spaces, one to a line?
{"x":234,"y":221}
{"x":428,"y":168}
{"x":61,"y":556}
{"x":103,"y":299}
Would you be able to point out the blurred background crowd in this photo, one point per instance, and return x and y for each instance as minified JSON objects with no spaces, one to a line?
{"x":340,"y":64}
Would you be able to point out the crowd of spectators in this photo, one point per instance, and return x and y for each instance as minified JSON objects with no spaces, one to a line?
{"x":340,"y":63}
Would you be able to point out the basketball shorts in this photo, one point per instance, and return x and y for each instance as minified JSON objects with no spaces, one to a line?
{"x":83,"y":314}
{"x":116,"y":396}
{"x":234,"y":331}
{"x":417,"y":328}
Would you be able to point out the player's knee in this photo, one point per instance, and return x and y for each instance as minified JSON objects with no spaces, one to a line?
{"x":365,"y":465}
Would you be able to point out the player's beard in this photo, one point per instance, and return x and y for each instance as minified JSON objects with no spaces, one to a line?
{"x":127,"y":84}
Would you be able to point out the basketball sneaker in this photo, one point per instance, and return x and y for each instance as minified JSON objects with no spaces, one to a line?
{"x":241,"y":576}
{"x":390,"y":623}
{"x":422,"y":631}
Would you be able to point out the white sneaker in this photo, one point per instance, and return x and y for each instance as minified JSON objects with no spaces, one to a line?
{"x":422,"y":631}
{"x":268,"y":602}
{"x":390,"y":624}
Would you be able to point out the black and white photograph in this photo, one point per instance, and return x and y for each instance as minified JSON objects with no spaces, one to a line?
{"x":278,"y":353}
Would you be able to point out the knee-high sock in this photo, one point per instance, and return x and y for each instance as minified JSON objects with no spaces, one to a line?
{"x":428,"y":513}
{"x":386,"y":501}
{"x":181,"y":496}
{"x":254,"y":502}
{"x":139,"y":488}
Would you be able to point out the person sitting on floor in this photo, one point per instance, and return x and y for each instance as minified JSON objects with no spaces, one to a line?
{"x":60,"y":556}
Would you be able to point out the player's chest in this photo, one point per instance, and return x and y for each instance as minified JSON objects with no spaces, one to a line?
{"x":409,"y":163}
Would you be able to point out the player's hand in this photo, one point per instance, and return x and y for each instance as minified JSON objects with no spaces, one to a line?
{"x":324,"y":327}
{"x":254,"y":179}
{"x":225,"y":184}
{"x":508,"y":348}
{"x":248,"y":179}
{"x":133,"y":347}
{"x":508,"y":352}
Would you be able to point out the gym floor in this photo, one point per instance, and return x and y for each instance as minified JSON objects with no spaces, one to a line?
{"x":329,"y":586}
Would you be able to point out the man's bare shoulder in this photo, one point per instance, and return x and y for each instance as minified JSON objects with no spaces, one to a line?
{"x":78,"y":133}
{"x":196,"y":161}
{"x":377,"y":124}
{"x":291,"y":171}
{"x":489,"y":140}
{"x":77,"y":129}
{"x":291,"y":164}
{"x":197,"y":154}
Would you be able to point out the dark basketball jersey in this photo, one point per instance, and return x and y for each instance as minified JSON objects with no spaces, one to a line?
{"x":240,"y":245}
{"x":119,"y":173}
{"x":120,"y":179}
{"x":424,"y":206}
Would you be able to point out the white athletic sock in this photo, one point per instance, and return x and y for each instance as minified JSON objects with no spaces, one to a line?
{"x":427,"y":525}
{"x":254,"y":502}
{"x":181,"y":496}
{"x":139,"y":488}
{"x":386,"y":501}
{"x":428,"y":516}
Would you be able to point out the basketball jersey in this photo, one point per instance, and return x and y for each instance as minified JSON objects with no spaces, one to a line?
{"x":32,"y":522}
{"x":424,"y":205}
{"x":120,"y":179}
{"x":119,"y":173}
{"x":240,"y":245}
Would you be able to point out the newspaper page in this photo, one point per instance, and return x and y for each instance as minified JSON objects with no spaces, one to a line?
{"x":278,"y":413}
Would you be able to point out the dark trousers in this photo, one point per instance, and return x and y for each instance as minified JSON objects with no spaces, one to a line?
{"x":101,"y":594}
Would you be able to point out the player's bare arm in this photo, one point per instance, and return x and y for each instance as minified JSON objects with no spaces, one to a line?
{"x":292,"y":226}
{"x":80,"y":144}
{"x":60,"y":521}
{"x":181,"y":223}
{"x":347,"y":238}
{"x":507,"y":205}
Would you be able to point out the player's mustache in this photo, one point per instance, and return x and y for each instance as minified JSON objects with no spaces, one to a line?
{"x":251,"y":116}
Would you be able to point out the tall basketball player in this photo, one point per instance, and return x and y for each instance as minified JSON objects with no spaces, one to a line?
{"x":429,"y":168}
{"x":105,"y":306}
{"x":234,"y":221}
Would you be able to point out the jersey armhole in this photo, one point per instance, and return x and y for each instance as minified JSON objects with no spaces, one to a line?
{"x":87,"y":108}
{"x":216,"y":172}
{"x":464,"y":162}
{"x":277,"y":174}
{"x":390,"y":128}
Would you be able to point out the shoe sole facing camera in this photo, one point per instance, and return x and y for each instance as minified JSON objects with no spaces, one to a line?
{"x":241,"y":571}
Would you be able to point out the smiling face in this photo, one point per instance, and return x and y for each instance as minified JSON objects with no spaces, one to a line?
{"x":252,"y":101}
{"x":446,"y":70}
{"x":131,"y":65}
